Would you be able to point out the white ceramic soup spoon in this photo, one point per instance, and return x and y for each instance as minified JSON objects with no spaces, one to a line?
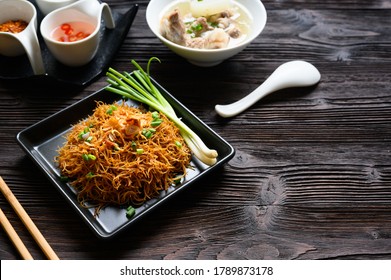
{"x":295,"y":73}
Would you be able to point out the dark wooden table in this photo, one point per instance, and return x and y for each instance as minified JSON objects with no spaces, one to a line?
{"x":311,"y":177}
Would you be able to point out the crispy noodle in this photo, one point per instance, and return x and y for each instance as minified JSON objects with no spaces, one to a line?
{"x":110,"y":160}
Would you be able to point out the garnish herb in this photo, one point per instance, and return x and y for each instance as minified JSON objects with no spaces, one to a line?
{"x":155,"y":115}
{"x":148,"y":132}
{"x":178,"y":144}
{"x":134,"y":145}
{"x":196,"y":27}
{"x":84,"y":134}
{"x":88,"y":157}
{"x":156,"y":120}
{"x":111,"y":109}
{"x":139,"y":87}
{"x":64,"y":179}
{"x":130,"y":211}
{"x":156,"y":123}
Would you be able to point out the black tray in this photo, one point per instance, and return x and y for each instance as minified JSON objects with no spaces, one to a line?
{"x":17,"y":68}
{"x":42,"y":140}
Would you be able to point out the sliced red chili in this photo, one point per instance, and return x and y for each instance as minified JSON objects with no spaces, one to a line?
{"x":80,"y":35}
{"x":72,"y":38}
{"x":65,"y":26}
{"x":69,"y":31}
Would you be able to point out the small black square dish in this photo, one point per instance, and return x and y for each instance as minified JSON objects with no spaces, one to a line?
{"x":42,"y":140}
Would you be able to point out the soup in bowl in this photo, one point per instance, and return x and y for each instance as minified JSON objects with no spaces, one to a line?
{"x":209,"y":31}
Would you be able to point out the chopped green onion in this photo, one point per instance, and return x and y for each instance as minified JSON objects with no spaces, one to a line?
{"x":130,"y":211}
{"x":178,"y":144}
{"x":134,"y":145}
{"x":111,"y":109}
{"x":84,"y":133}
{"x":139,"y":87}
{"x":197,"y":27}
{"x":139,"y":151}
{"x":147,"y":133}
{"x":64,"y":179}
{"x":156,"y":122}
{"x":90,"y":175}
{"x":89,"y":139}
{"x":155,"y":115}
{"x":88,"y":157}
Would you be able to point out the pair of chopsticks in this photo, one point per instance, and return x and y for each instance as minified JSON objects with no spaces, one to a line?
{"x":32,"y":228}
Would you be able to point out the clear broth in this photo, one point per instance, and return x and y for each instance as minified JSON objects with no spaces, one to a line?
{"x":242,"y":17}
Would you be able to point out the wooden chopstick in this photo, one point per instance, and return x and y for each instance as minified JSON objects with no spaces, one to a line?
{"x":14,"y":237}
{"x":32,"y":228}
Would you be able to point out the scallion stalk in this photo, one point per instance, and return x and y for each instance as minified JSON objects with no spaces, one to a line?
{"x":139,"y":87}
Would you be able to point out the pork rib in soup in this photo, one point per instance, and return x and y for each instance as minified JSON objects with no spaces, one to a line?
{"x":215,"y":31}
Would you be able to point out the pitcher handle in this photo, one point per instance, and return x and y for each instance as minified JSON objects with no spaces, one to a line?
{"x":107,"y":16}
{"x":30,"y":43}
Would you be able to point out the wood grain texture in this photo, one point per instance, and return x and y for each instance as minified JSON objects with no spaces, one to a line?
{"x":311,"y":177}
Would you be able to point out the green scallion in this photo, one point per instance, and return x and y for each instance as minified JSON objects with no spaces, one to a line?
{"x":155,"y":115}
{"x":138,"y":86}
{"x":111,"y":109}
{"x":156,"y":122}
{"x":196,"y":27}
{"x":130,"y":211}
{"x":88,"y":157}
{"x":178,"y":144}
{"x":134,"y":145}
{"x":64,"y":179}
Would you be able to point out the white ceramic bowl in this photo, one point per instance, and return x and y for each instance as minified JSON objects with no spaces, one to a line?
{"x":207,"y":57}
{"x":26,"y":41}
{"x":11,"y":10}
{"x":77,"y":53}
{"x":47,"y":6}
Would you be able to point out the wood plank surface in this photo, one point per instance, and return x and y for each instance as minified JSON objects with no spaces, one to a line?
{"x":311,"y":176}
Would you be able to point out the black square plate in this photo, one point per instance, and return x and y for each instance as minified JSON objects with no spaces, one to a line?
{"x":42,"y":140}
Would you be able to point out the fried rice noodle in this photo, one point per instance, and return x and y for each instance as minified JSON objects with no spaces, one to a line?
{"x":111,"y":159}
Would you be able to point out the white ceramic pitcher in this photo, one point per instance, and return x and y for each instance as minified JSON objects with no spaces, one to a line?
{"x":80,"y":52}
